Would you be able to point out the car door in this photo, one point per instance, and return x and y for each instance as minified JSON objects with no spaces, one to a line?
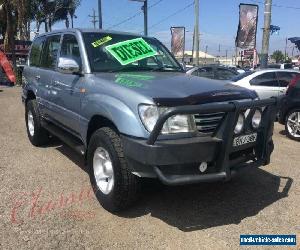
{"x":45,"y":72}
{"x":284,"y":79}
{"x":33,"y":76}
{"x":265,"y":84}
{"x":66,"y":88}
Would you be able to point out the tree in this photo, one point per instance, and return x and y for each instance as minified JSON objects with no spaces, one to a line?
{"x":50,"y":12}
{"x":9,"y":14}
{"x":278,"y":56}
{"x":16,"y":16}
{"x":72,"y":6}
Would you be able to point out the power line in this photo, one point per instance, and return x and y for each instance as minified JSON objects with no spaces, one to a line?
{"x":174,"y":14}
{"x":135,"y":15}
{"x":278,"y":6}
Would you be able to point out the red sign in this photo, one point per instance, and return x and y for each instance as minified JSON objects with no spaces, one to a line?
{"x":248,"y":52}
{"x":21,"y":47}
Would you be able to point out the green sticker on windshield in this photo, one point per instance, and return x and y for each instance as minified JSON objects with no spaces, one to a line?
{"x":101,"y":41}
{"x":130,"y":51}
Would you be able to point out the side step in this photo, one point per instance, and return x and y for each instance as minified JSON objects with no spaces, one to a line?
{"x":65,"y":136}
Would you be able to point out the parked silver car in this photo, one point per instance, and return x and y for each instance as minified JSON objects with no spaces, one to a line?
{"x":267,"y":82}
{"x":216,"y":72}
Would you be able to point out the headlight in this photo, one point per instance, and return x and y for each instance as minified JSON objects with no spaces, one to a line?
{"x":149,"y":115}
{"x":256,"y":119}
{"x":240,"y":124}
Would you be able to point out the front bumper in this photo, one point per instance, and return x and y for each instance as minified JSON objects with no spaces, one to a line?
{"x":157,"y":155}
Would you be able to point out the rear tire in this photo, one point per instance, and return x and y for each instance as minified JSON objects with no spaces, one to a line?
{"x":37,"y":135}
{"x":115,"y":187}
{"x":292,"y":124}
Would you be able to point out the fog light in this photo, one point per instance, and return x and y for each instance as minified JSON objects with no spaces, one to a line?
{"x":240,"y":124}
{"x":256,"y":118}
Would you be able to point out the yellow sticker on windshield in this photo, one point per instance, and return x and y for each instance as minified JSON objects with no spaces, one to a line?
{"x":101,"y":41}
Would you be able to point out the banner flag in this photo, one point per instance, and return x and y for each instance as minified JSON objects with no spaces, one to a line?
{"x":178,"y":41}
{"x":246,"y":34}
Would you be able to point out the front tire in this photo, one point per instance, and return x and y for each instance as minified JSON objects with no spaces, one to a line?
{"x":37,"y":135}
{"x":292,"y":124}
{"x":115,"y":187}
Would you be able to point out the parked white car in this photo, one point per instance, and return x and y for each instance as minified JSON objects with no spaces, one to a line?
{"x":267,"y":82}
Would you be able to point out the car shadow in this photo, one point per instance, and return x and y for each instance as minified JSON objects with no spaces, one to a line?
{"x":205,"y":205}
{"x":282,"y":132}
{"x":68,"y":152}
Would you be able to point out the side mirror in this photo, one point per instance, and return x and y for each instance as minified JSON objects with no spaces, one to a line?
{"x":68,"y":66}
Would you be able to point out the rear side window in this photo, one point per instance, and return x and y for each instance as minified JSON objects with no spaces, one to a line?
{"x":36,"y":49}
{"x":284,"y":78}
{"x":267,"y":79}
{"x":50,"y":52}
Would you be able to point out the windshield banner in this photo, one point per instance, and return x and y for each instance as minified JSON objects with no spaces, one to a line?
{"x":178,"y":41}
{"x":246,"y":34}
{"x":130,"y":51}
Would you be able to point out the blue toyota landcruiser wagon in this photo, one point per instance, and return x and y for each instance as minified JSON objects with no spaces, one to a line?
{"x":123,"y":102}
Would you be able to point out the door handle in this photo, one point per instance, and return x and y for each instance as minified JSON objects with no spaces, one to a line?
{"x":37,"y":77}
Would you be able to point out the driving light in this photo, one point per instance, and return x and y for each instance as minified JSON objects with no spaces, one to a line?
{"x":239,"y":124}
{"x":149,"y":115}
{"x":178,"y":124}
{"x":256,"y":119}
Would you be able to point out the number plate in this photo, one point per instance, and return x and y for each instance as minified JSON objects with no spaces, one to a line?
{"x":244,"y":139}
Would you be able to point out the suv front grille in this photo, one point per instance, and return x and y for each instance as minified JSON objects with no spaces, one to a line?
{"x":207,"y":123}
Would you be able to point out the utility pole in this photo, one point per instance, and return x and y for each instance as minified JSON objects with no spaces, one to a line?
{"x":236,"y":55}
{"x":100,"y":13}
{"x":145,"y":9}
{"x":206,"y":47}
{"x":196,"y":35}
{"x":266,"y":34}
{"x":285,"y":52}
{"x":94,"y":18}
{"x":226,"y":57}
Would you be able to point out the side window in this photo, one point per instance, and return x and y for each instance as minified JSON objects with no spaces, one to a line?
{"x":206,"y":72}
{"x":224,"y":74}
{"x":50,"y":51}
{"x":195,"y":73}
{"x":267,"y":79}
{"x":36,"y":49}
{"x":70,"y":48}
{"x":284,"y":78}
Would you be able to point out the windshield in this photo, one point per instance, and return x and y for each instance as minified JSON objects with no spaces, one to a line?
{"x":241,"y":76}
{"x":118,"y":52}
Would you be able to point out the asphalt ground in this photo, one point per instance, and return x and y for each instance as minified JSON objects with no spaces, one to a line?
{"x":46,"y":201}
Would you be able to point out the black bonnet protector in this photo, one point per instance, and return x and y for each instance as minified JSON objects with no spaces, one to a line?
{"x":207,"y":97}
